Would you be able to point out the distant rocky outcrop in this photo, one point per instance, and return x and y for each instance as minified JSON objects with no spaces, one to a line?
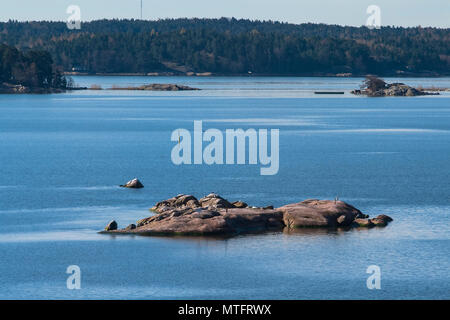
{"x":376,"y":87}
{"x":133,"y":184}
{"x":158,"y":87}
{"x":214,"y":215}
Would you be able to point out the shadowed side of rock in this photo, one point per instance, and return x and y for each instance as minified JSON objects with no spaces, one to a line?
{"x":111,"y":226}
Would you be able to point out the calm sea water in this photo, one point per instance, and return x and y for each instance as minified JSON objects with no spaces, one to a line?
{"x":62,"y":157}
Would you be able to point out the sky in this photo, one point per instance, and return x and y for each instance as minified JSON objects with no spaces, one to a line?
{"x":344,"y":12}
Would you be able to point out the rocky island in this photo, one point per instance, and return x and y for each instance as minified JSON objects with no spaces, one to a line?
{"x":214,"y":215}
{"x":158,"y":87}
{"x":376,"y":87}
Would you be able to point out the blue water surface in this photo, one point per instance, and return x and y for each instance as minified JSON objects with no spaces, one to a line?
{"x":63,"y":156}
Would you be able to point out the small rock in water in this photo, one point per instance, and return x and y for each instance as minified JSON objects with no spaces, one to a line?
{"x":134,"y":184}
{"x":111,"y":226}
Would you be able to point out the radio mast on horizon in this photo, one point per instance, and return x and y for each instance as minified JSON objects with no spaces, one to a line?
{"x":141,"y":9}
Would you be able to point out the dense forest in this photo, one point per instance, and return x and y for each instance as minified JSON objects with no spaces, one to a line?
{"x":33,"y":69}
{"x":230,"y":46}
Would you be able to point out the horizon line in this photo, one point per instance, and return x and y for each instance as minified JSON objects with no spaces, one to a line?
{"x":220,"y":18}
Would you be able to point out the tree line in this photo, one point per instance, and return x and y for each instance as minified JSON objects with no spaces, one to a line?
{"x":231,"y":46}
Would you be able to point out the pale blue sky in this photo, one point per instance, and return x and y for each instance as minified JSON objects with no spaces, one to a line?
{"x":344,"y":12}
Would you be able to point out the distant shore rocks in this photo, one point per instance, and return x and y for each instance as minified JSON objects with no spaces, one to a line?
{"x":133,"y":184}
{"x":214,"y":215}
{"x":395,"y":90}
{"x":6,"y":88}
{"x":14,"y":88}
{"x":158,"y":87}
{"x":376,"y":87}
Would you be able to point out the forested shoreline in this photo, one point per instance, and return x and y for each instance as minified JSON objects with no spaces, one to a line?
{"x":32,"y":71}
{"x":234,"y":47}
